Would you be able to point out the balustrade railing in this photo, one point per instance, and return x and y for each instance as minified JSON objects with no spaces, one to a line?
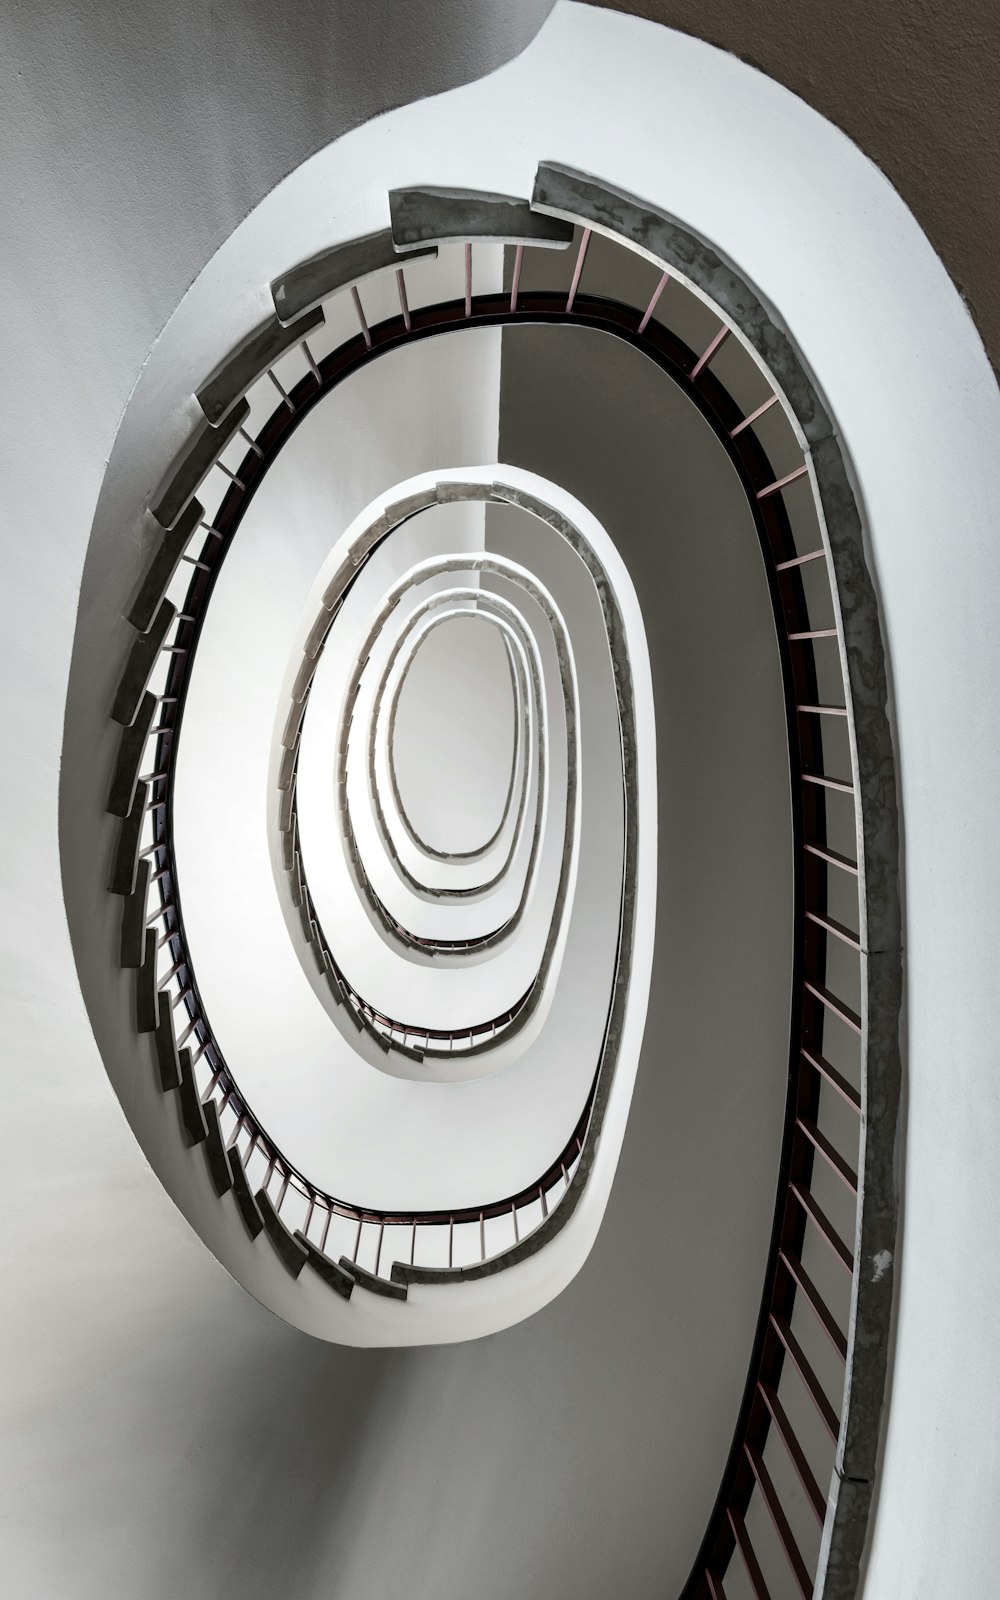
{"x":764,"y":1535}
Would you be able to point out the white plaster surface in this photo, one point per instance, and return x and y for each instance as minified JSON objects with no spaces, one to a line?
{"x":454,"y":740}
{"x":498,"y":857}
{"x":366,"y":1135}
{"x":823,"y":235}
{"x":416,"y":908}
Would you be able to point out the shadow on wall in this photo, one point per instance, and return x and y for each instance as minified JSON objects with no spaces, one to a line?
{"x":484,"y":1468}
{"x":284,"y":1479}
{"x":181,"y":1442}
{"x":109,"y":107}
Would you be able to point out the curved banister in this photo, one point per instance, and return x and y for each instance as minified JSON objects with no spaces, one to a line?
{"x":518,"y":1016}
{"x":435,"y":319}
{"x":821,"y":849}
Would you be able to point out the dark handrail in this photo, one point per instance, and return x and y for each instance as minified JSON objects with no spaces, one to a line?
{"x":815,"y":1006}
{"x":671,"y":354}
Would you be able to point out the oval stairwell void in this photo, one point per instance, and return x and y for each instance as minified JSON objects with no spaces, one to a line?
{"x":452,"y":738}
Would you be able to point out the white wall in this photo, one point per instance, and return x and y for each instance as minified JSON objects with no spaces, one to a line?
{"x":134,"y":1357}
{"x":453,"y":745}
{"x":166,"y":1435}
{"x":398,"y":1141}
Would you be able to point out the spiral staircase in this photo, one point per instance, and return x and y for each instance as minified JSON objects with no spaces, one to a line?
{"x":415,"y":1108}
{"x":479,"y":826}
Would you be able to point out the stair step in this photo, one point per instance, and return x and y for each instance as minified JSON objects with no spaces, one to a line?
{"x":134,"y":918}
{"x":408,"y":1050}
{"x":340,"y":1281}
{"x":138,"y":667}
{"x":215,"y":1150}
{"x":166,"y":1048}
{"x":131,"y":746}
{"x":127,"y":854}
{"x":368,"y":1280}
{"x":162,"y":567}
{"x":146,"y":999}
{"x":192,"y":1113}
{"x":243,"y":1195}
{"x":291,"y":1254}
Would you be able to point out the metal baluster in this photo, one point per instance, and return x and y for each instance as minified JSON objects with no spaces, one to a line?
{"x":403,"y":304}
{"x":516,"y":280}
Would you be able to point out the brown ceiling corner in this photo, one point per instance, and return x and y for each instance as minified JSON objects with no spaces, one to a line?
{"x":912,"y":82}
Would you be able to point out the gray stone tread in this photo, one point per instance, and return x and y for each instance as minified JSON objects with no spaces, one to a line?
{"x":291,"y":1253}
{"x":258,"y":351}
{"x":215,"y":1151}
{"x":126,"y":860}
{"x":166,"y":1050}
{"x":147,"y":1006}
{"x":368,"y":1280}
{"x":134,"y":919}
{"x":243,"y":1195}
{"x":162,"y":566}
{"x":314,"y":280}
{"x":131,"y":745}
{"x":427,"y":215}
{"x":192,"y":1113}
{"x":199,"y":455}
{"x":140,"y":663}
{"x":341,"y":1281}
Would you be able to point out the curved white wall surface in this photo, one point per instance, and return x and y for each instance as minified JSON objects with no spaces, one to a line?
{"x":402,"y":1141}
{"x":453,"y":742}
{"x":787,"y":198}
